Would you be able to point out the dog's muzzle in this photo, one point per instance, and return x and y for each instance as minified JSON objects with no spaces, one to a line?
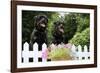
{"x":61,"y":30}
{"x":43,"y":25}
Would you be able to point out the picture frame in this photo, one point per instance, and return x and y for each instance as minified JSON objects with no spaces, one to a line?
{"x":17,"y":8}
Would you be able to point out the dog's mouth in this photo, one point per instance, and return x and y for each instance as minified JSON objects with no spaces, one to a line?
{"x":61,"y":30}
{"x":43,"y":25}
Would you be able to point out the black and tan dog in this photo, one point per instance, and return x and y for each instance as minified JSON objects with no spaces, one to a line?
{"x":58,"y":35}
{"x":39,"y":33}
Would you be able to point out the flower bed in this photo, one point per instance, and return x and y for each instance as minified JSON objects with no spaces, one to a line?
{"x":58,"y":52}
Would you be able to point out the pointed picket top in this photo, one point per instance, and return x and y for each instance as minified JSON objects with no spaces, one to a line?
{"x":59,"y":46}
{"x":35,"y":46}
{"x":35,"y":54}
{"x":26,"y":46}
{"x":85,"y":48}
{"x":53,"y":46}
{"x":79,"y":48}
{"x":73,"y":48}
{"x":44,"y":47}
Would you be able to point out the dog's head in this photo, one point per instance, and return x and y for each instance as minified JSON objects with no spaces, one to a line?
{"x":59,"y":27}
{"x":41,"y":22}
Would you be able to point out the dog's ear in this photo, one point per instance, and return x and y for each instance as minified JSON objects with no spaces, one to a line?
{"x":55,"y":24}
{"x":35,"y":20}
{"x":46,"y":18}
{"x":35,"y":17}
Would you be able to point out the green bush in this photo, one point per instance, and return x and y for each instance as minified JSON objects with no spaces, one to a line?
{"x":82,"y":38}
{"x":83,"y":21}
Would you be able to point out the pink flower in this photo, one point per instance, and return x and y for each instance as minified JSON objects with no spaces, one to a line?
{"x":68,"y":46}
{"x":45,"y":54}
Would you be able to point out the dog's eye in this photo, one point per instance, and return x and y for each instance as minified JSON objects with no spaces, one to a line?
{"x":62,"y":27}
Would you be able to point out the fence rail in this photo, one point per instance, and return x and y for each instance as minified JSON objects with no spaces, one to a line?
{"x":79,"y":52}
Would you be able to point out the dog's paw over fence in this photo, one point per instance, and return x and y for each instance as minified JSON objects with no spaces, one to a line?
{"x":79,"y":53}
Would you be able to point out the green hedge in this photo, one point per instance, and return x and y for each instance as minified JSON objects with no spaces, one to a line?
{"x":82,"y":38}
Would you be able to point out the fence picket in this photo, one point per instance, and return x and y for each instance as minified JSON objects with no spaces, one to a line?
{"x":79,"y":53}
{"x":86,"y":53}
{"x":44,"y":47}
{"x":35,"y":49}
{"x":73,"y":49}
{"x":25,"y":52}
{"x":85,"y":49}
{"x":79,"y":48}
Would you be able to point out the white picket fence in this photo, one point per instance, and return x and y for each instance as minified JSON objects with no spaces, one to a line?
{"x":81,"y":53}
{"x":35,"y":54}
